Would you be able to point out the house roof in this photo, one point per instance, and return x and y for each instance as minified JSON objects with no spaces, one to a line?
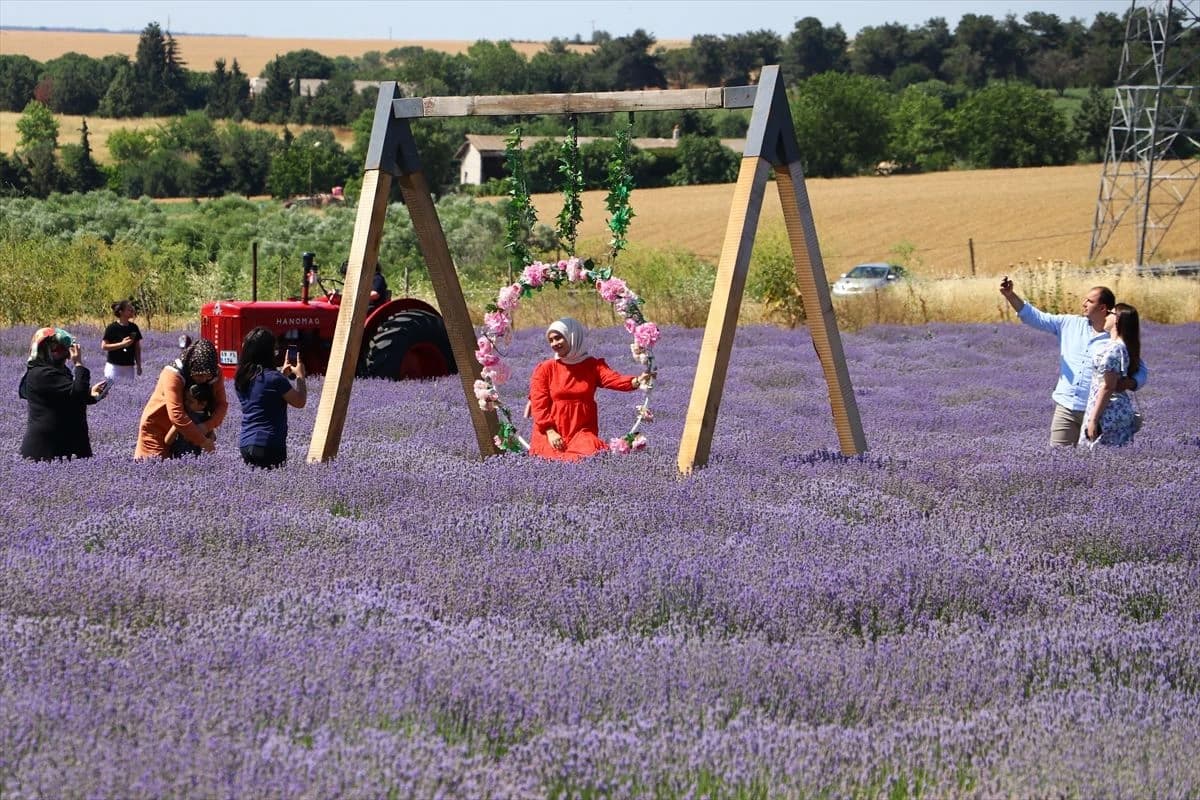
{"x":492,"y":145}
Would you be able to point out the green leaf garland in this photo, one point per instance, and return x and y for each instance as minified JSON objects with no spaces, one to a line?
{"x":570,"y":167}
{"x":620,"y":187}
{"x":519,"y":213}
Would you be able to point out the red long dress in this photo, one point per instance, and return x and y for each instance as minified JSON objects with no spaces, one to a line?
{"x":562,"y":397}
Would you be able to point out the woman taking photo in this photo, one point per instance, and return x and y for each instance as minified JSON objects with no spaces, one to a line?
{"x":562,"y":395}
{"x":57,"y":398}
{"x":122,"y":342}
{"x":265,"y":394}
{"x":167,"y":407}
{"x":1109,"y":416}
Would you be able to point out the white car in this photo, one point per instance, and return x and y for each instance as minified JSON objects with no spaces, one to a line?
{"x":868,"y":278}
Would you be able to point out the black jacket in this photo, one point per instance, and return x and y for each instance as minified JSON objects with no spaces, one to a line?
{"x":57,"y":412}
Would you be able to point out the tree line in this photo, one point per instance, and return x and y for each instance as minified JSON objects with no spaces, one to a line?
{"x":1041,"y":49}
{"x":921,"y":98}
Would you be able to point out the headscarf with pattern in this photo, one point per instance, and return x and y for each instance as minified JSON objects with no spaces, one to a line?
{"x":200,"y":356}
{"x":42,"y":334}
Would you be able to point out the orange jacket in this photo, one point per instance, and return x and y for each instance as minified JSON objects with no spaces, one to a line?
{"x":166,"y":409}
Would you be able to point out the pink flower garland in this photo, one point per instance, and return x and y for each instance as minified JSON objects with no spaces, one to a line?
{"x":497,"y":325}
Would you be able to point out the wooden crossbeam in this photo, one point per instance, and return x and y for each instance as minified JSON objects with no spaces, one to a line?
{"x":583,"y":103}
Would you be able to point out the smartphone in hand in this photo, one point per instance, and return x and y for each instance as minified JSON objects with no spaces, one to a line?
{"x":293,"y":355}
{"x":104,"y":387}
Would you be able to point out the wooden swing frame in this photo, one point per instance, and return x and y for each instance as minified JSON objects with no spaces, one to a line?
{"x":770,"y":144}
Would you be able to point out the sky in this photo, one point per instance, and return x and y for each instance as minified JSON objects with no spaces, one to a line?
{"x":530,"y":20}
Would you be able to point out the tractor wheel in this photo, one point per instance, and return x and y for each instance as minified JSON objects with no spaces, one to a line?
{"x":410,"y":344}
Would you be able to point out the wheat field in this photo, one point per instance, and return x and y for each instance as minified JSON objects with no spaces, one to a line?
{"x":1014,"y":216}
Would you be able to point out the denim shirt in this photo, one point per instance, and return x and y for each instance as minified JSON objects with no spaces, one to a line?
{"x":1077,"y":343}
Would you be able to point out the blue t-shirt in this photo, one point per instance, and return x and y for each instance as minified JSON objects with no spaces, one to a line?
{"x":264,"y":411}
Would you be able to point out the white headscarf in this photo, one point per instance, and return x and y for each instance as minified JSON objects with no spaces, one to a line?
{"x":576,"y":335}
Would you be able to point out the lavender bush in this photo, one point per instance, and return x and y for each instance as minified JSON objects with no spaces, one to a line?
{"x":960,"y":612}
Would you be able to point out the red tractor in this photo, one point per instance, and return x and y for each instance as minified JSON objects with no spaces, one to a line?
{"x":402,"y":338}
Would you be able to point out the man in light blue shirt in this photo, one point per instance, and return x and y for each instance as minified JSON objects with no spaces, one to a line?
{"x":1078,"y":339}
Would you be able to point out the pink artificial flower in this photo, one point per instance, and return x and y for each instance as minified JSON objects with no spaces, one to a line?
{"x":487,"y":359}
{"x":485,"y":345}
{"x":498,"y":442}
{"x":618,"y":445}
{"x":611,"y":289}
{"x":496,"y":322}
{"x":646,"y":335}
{"x":509,"y":297}
{"x":535,"y":274}
{"x":639,"y":442}
{"x":645,"y":414}
{"x":630,"y":324}
{"x":574,"y":268}
{"x":482,"y":389}
{"x":497,"y":373}
{"x":639,"y":353}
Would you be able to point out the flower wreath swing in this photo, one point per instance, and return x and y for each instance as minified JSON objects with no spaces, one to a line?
{"x":536,"y":275}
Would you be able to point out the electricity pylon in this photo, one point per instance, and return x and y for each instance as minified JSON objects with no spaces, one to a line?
{"x":1150,"y":163}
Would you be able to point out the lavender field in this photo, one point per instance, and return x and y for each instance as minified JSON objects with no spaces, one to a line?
{"x":961,"y":612}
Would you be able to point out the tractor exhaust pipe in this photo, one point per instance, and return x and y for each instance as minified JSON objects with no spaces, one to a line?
{"x":254,"y":271}
{"x":310,"y":267}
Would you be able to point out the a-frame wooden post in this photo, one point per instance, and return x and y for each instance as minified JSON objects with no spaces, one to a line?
{"x":392,"y":152}
{"x":770,"y":142}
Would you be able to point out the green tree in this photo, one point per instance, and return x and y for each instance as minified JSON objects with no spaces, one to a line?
{"x":37,"y":148}
{"x":555,"y":69}
{"x":1012,"y":125}
{"x":82,"y":173}
{"x":229,"y":92}
{"x":707,"y":59}
{"x":159,"y":76}
{"x":37,"y":127}
{"x":921,"y":130}
{"x":811,"y":49}
{"x":880,"y":50}
{"x":306,"y":63}
{"x":703,"y":160}
{"x":246,"y":156}
{"x":18,"y":78}
{"x":495,"y":68}
{"x":312,"y":162}
{"x":122,"y":98}
{"x":74,"y":83}
{"x":128,"y":146}
{"x":1054,"y":69}
{"x":626,"y":63}
{"x":1091,"y":122}
{"x":747,"y":53}
{"x":842,"y":123}
{"x":274,"y":101}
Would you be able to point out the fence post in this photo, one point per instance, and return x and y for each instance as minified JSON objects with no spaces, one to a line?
{"x":971,"y":247}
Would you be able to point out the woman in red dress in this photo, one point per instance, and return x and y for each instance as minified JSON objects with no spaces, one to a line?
{"x":562,"y":395}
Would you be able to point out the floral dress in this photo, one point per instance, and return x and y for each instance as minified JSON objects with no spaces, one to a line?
{"x":1116,"y":424}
